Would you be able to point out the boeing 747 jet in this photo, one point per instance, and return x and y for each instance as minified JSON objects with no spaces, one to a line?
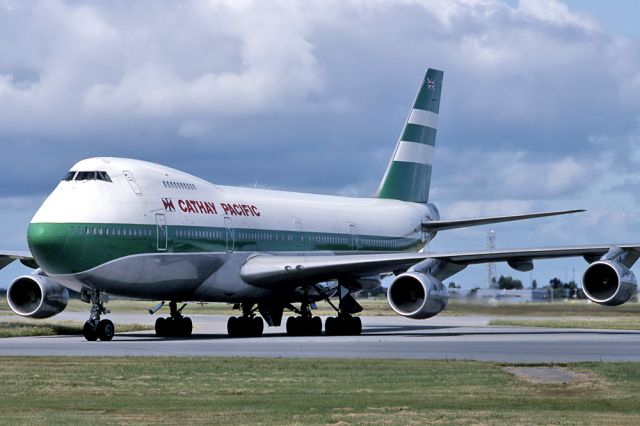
{"x":136,"y":229}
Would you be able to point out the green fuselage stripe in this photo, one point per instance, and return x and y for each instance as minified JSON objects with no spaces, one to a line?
{"x":78,"y":247}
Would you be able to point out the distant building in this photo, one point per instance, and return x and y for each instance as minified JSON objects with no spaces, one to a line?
{"x":513,"y":296}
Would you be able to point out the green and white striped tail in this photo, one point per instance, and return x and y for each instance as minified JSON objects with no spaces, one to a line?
{"x":408,"y":175}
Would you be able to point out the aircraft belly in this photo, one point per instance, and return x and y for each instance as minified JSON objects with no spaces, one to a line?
{"x":154,"y":276}
{"x":165,"y":276}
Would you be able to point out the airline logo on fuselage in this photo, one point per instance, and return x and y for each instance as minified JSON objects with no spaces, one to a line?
{"x":209,"y":207}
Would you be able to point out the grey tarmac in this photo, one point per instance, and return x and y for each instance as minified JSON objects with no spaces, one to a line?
{"x":463,"y":337}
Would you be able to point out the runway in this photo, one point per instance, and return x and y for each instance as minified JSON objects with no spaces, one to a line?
{"x":464,"y":337}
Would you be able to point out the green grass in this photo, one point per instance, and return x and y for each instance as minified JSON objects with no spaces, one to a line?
{"x":294,"y":391}
{"x":48,"y":328}
{"x":611,"y":323}
{"x":380,"y":307}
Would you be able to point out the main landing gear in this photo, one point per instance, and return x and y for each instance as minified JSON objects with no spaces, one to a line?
{"x":95,"y":328}
{"x":248,"y":325}
{"x":345,"y":324}
{"x":176,"y":325}
{"x":305,"y":324}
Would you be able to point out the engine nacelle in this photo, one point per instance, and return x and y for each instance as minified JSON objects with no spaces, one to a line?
{"x":418,"y":296}
{"x":36,"y":296}
{"x":609,"y":283}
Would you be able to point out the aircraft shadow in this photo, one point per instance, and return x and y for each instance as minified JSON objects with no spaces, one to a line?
{"x":416,"y":331}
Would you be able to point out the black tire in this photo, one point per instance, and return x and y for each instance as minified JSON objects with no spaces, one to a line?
{"x":257,"y":326}
{"x":161,"y":328}
{"x":356,"y":326}
{"x":292,"y":326}
{"x":105,"y":330}
{"x":187,"y":326}
{"x":90,"y":332}
{"x":331,"y":326}
{"x":316,"y":326}
{"x":233,"y":326}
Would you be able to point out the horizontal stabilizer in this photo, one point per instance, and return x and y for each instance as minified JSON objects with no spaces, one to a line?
{"x":439,"y":225}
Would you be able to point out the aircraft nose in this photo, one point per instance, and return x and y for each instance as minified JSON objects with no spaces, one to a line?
{"x":47,"y":244}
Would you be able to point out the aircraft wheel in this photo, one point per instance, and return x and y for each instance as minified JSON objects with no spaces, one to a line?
{"x":105,"y":330}
{"x":233,"y":326}
{"x":293,"y":328}
{"x":161,"y":327}
{"x":257,"y":326}
{"x":330,"y":326}
{"x":186,"y":326}
{"x":316,"y":326}
{"x":355,"y":326}
{"x":90,"y":332}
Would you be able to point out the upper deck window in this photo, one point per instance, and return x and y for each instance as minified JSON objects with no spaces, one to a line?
{"x":103,"y":176}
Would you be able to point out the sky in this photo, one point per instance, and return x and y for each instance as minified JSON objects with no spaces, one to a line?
{"x":540,"y":108}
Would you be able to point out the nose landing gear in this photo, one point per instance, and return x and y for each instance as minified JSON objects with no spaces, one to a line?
{"x":95,"y":328}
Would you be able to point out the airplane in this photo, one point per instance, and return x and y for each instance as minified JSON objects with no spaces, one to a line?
{"x":135,"y":229}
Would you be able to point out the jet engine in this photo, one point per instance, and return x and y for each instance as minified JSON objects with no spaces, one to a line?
{"x":36,"y":296}
{"x":416,"y":295}
{"x":608,"y":283}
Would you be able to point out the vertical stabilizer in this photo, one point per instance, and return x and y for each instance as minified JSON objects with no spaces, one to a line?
{"x":408,"y":175}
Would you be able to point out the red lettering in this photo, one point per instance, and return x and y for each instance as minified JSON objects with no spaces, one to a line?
{"x":207,"y":207}
{"x":182,"y":205}
{"x":213,"y":207}
{"x":168,"y":204}
{"x":200,"y":205}
{"x":190,"y":207}
{"x":226,"y":208}
{"x":245,"y":209}
{"x":255,"y":211}
{"x":237,"y":209}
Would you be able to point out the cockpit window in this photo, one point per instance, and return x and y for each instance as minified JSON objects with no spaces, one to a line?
{"x":69,"y":176}
{"x":103,"y":176}
{"x":93,"y":176}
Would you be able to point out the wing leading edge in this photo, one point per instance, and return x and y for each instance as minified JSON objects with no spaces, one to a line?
{"x":272,"y":270}
{"x":441,"y":225}
{"x":7,"y":257}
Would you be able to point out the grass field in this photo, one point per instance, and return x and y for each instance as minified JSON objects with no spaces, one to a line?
{"x":613,"y":323}
{"x":21,"y":328}
{"x":293,"y":391}
{"x":379,"y":307}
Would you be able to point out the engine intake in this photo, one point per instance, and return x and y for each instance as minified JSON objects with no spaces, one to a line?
{"x":418,"y":296}
{"x":609,"y":283}
{"x":36,"y":296}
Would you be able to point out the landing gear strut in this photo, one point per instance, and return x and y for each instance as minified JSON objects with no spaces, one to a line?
{"x":248,"y":325}
{"x":95,"y":328}
{"x":305,"y":324}
{"x":176,"y":325}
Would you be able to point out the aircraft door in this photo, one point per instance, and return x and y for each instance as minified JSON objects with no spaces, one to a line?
{"x":230,"y":237}
{"x":132,"y":182}
{"x":163,"y":234}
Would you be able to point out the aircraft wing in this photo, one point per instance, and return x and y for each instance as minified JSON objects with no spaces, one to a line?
{"x":440,"y":225}
{"x":272,"y":270}
{"x":7,"y":257}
